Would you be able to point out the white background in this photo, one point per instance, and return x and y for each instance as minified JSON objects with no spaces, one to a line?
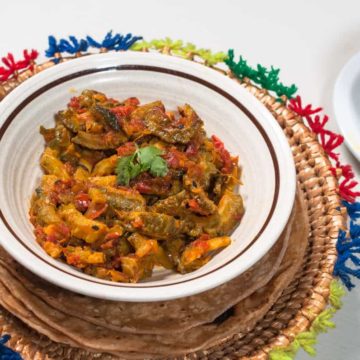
{"x":309,"y":40}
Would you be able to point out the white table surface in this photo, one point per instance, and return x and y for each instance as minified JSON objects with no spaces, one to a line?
{"x":309,"y":40}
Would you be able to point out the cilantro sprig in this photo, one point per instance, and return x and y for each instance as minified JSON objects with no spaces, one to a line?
{"x":144,"y":159}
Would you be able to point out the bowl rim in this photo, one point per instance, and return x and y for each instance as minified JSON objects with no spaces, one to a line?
{"x":130,"y":61}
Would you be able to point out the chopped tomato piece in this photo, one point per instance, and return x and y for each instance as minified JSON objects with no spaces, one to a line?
{"x":57,"y":232}
{"x":132,"y":101}
{"x":82,"y":201}
{"x":223,"y":154}
{"x":126,"y":149}
{"x":196,"y":208}
{"x":95,"y":210}
{"x":122,"y":110}
{"x":74,"y":103}
{"x":109,"y":244}
{"x":145,"y":184}
{"x":176,"y":159}
{"x":137,"y":223}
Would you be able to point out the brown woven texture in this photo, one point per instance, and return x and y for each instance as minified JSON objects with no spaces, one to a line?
{"x":299,"y":303}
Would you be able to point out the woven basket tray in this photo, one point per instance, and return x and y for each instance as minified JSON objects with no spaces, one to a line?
{"x":300,"y":302}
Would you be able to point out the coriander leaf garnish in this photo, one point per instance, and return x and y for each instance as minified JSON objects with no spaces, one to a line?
{"x":122,"y":170}
{"x":158,"y":167}
{"x":144,"y":159}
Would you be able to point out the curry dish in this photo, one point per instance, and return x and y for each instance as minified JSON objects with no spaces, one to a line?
{"x":130,"y":187}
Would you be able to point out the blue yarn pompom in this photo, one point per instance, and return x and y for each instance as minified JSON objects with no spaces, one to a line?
{"x":348,"y":262}
{"x":108,"y":42}
{"x":5,"y":352}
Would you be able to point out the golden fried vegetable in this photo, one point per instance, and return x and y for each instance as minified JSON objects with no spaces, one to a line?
{"x":44,"y":212}
{"x":112,"y":275}
{"x":82,"y":256}
{"x":102,"y":180}
{"x":231,"y":210}
{"x":137,"y":268}
{"x":81,"y":174}
{"x":54,"y":250}
{"x":52,"y":165}
{"x":82,"y":227}
{"x":200,"y":248}
{"x":105,"y":167}
{"x":145,"y":246}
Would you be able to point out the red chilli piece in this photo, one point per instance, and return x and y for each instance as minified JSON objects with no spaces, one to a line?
{"x":330,"y":141}
{"x":224,"y":155}
{"x":296,"y":106}
{"x":346,"y":190}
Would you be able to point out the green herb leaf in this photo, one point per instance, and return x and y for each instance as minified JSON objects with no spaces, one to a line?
{"x":158,"y":167}
{"x":122,"y":170}
{"x":147,"y":154}
{"x":144,"y":159}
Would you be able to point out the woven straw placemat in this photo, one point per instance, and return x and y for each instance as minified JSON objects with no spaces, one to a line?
{"x":300,"y":303}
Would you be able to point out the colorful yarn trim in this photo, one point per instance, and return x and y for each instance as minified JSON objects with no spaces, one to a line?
{"x":115,"y":42}
{"x":308,"y":339}
{"x":12,"y":67}
{"x":347,"y":246}
{"x":5,"y":352}
{"x":73,"y":46}
{"x":177,"y":47}
{"x":267,"y":79}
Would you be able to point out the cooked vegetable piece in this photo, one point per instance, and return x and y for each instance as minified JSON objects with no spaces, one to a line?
{"x":200,"y":248}
{"x":145,"y":246}
{"x":174,"y":248}
{"x":231,"y":210}
{"x":52,"y":165}
{"x":44,"y":212}
{"x":105,"y":167}
{"x":103,"y":180}
{"x":159,"y":124}
{"x":108,"y":116}
{"x":110,"y":140}
{"x":82,"y":227}
{"x":82,"y":256}
{"x":137,"y":268}
{"x":52,"y":249}
{"x":70,"y":119}
{"x":81,"y":174}
{"x":123,"y":199}
{"x":173,"y":205}
{"x":159,"y":226}
{"x":112,"y":275}
{"x":200,"y":203}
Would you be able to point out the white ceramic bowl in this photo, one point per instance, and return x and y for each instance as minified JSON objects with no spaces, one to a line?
{"x":229,"y":111}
